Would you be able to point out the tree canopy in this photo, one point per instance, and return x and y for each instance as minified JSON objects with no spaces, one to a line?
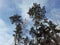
{"x":47,"y":29}
{"x":43,"y":31}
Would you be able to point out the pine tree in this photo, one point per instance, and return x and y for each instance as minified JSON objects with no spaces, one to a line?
{"x":16,"y":19}
{"x":43,"y":30}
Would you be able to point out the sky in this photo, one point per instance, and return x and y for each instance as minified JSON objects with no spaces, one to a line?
{"x":21,"y":7}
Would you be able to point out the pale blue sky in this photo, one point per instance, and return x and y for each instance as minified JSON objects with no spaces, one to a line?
{"x":11,"y":7}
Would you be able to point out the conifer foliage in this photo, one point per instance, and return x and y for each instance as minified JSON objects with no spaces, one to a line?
{"x":43,"y":31}
{"x":16,"y":19}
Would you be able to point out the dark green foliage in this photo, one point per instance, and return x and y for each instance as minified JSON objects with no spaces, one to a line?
{"x":16,"y":19}
{"x":43,"y":31}
{"x":26,"y":40}
{"x":46,"y":31}
{"x":36,"y":12}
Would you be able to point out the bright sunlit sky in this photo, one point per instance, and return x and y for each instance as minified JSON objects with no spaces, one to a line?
{"x":11,"y":7}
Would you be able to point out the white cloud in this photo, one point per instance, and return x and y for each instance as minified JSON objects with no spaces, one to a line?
{"x":5,"y":38}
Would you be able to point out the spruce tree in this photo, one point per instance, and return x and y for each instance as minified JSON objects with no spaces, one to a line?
{"x":16,"y":19}
{"x":43,"y":29}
